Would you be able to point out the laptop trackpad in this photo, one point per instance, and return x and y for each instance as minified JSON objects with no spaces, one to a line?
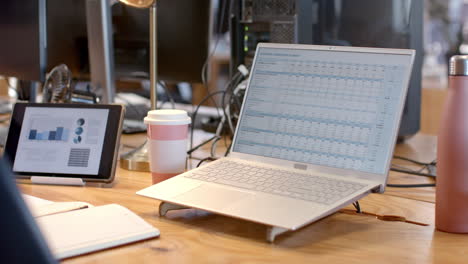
{"x":212,"y":197}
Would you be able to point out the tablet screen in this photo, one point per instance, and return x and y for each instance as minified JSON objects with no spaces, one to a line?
{"x":66,"y":141}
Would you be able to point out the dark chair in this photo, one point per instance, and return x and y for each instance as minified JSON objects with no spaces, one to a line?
{"x":20,"y":238}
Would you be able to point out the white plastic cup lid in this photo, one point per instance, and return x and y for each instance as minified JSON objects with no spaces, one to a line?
{"x":167,"y":117}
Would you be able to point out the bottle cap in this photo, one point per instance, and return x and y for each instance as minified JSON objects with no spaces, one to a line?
{"x":459,"y":65}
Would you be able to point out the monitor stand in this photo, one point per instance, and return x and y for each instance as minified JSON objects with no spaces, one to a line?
{"x":100,"y":46}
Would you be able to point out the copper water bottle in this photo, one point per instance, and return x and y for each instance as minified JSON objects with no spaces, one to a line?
{"x":452,"y":153}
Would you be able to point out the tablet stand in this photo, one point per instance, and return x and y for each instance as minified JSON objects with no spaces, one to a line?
{"x":69,"y":181}
{"x":271,"y":233}
{"x":57,"y":180}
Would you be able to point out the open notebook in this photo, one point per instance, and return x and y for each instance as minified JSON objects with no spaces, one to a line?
{"x":75,"y":228}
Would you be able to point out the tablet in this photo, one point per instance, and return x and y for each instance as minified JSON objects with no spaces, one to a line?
{"x":65,"y":140}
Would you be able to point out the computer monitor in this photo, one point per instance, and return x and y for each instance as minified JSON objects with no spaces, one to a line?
{"x":23,"y":48}
{"x":368,"y":23}
{"x":184,"y":28}
{"x":23,"y":44}
{"x":383,"y":24}
{"x":23,"y":39}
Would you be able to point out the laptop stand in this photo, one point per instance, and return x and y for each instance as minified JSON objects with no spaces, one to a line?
{"x":271,"y":233}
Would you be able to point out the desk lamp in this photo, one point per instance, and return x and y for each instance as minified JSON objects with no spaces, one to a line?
{"x":138,"y":159}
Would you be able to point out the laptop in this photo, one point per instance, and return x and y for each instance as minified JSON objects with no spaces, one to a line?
{"x":316,"y":132}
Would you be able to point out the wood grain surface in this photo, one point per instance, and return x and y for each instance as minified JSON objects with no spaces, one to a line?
{"x":194,"y":236}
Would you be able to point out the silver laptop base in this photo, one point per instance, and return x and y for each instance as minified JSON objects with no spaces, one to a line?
{"x":272,"y":232}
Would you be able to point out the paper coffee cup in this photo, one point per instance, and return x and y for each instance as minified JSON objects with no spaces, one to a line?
{"x":167,"y":138}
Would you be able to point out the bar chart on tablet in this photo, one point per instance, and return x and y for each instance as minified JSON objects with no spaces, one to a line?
{"x":42,"y":129}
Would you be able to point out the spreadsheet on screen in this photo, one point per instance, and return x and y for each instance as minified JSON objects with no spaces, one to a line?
{"x":329,"y":108}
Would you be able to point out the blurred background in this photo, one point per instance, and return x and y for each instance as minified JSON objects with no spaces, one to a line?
{"x":201,"y":44}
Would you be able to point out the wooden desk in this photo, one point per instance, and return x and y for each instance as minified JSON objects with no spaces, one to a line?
{"x":421,"y":148}
{"x":194,"y":236}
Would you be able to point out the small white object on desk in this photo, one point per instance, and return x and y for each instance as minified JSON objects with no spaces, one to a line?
{"x":57,"y":180}
{"x":70,"y":231}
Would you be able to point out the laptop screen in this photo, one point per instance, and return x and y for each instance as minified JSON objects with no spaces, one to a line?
{"x":331,"y":108}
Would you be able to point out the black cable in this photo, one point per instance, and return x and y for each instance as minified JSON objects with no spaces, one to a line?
{"x":228,"y":149}
{"x":194,"y":115}
{"x":429,"y":166}
{"x":230,"y":88}
{"x":169,"y":95}
{"x":238,"y":102}
{"x":398,"y":166}
{"x":205,"y":159}
{"x":418,"y":173}
{"x":227,"y":87}
{"x":414,"y":161}
{"x":412,"y":172}
{"x":204,"y":72}
{"x":411,"y":185}
{"x":201,"y":145}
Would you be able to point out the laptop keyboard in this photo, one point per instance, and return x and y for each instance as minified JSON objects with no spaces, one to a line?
{"x":302,"y":186}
